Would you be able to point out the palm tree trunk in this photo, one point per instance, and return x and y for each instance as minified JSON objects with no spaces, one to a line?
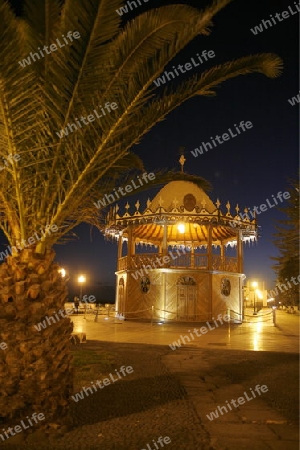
{"x":35,"y":368}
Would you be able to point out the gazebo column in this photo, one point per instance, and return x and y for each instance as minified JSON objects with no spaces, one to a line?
{"x":164,"y":275}
{"x":240,"y":264}
{"x":120,"y":248}
{"x":130,"y":247}
{"x":222,"y":255}
{"x":210,"y":268}
{"x":209,"y":248}
{"x":192,"y":256}
{"x":133,"y":246}
{"x":164,"y":246}
{"x":240,"y":269}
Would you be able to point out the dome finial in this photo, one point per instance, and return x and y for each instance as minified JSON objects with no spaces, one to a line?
{"x":182,"y":159}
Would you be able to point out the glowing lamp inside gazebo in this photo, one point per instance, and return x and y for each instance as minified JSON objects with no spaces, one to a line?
{"x":181,"y":228}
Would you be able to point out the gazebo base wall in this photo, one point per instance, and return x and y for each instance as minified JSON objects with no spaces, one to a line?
{"x":185,"y":295}
{"x":227,"y":301}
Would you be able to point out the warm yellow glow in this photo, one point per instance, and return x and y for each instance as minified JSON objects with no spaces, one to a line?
{"x":254,"y":284}
{"x":62,"y":272}
{"x":81,"y":279}
{"x":259,"y":294}
{"x":181,"y":227}
{"x":257,"y":342}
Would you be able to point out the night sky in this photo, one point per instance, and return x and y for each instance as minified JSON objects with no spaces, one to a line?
{"x":247,"y":169}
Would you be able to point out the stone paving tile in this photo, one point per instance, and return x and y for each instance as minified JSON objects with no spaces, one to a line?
{"x":240,"y":444}
{"x":245,"y":427}
{"x":282,"y":445}
{"x":260,"y":415}
{"x":203,"y":393}
{"x":228,"y":419}
{"x":257,"y":405}
{"x":231,"y":392}
{"x":252,"y":431}
{"x":285,"y":432}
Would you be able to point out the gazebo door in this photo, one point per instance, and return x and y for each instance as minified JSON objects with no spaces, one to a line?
{"x":186,"y":300}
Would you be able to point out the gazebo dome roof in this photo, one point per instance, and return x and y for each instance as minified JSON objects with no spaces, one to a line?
{"x":179,"y":204}
{"x":182,"y":193}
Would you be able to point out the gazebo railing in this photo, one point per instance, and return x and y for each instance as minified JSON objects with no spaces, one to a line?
{"x":146,"y":259}
{"x":188,"y":260}
{"x":225,"y":263}
{"x":122,"y":263}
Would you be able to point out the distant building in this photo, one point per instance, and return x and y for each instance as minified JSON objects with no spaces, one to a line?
{"x":256,"y":294}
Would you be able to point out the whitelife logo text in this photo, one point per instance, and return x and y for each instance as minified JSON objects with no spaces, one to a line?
{"x":244,"y":126}
{"x":262,"y":208}
{"x":86,"y":120}
{"x":161,"y":441}
{"x":180,"y":69}
{"x":158,"y":262}
{"x":294,"y":100}
{"x":124,"y":9}
{"x":42,"y":325}
{"x":18,"y":428}
{"x":3,"y":345}
{"x":236,"y":403}
{"x":52,"y":47}
{"x":106,"y":382}
{"x":270,"y":23}
{"x":30,"y":241}
{"x":114,"y":196}
{"x":274,"y":292}
{"x":202,"y":330}
{"x":8,"y":160}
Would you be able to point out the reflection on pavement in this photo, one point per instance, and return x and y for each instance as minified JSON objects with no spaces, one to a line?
{"x":257,"y":334}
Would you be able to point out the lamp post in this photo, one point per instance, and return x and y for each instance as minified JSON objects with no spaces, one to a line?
{"x":254,"y":285}
{"x":81,"y":280}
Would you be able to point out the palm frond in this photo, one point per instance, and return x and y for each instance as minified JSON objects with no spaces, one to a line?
{"x":63,"y":165}
{"x":268,"y":64}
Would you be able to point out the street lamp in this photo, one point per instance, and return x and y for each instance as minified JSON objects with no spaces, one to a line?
{"x":259,"y":295}
{"x":254,"y":285}
{"x":63,"y":272}
{"x":81,"y":280}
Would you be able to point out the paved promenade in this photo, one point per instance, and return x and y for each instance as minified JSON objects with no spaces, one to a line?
{"x":172,"y":393}
{"x":255,"y":425}
{"x":258,"y":334}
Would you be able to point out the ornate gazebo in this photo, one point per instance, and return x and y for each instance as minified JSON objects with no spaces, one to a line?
{"x":175,"y":265}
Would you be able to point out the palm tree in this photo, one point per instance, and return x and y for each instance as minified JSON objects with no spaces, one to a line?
{"x":51,"y":178}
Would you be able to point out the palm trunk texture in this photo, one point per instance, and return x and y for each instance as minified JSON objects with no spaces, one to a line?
{"x":36,"y":367}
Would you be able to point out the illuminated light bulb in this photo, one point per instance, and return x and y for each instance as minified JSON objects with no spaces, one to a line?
{"x":181,"y":227}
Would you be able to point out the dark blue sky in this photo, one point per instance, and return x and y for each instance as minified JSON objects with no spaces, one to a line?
{"x":247,"y":169}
